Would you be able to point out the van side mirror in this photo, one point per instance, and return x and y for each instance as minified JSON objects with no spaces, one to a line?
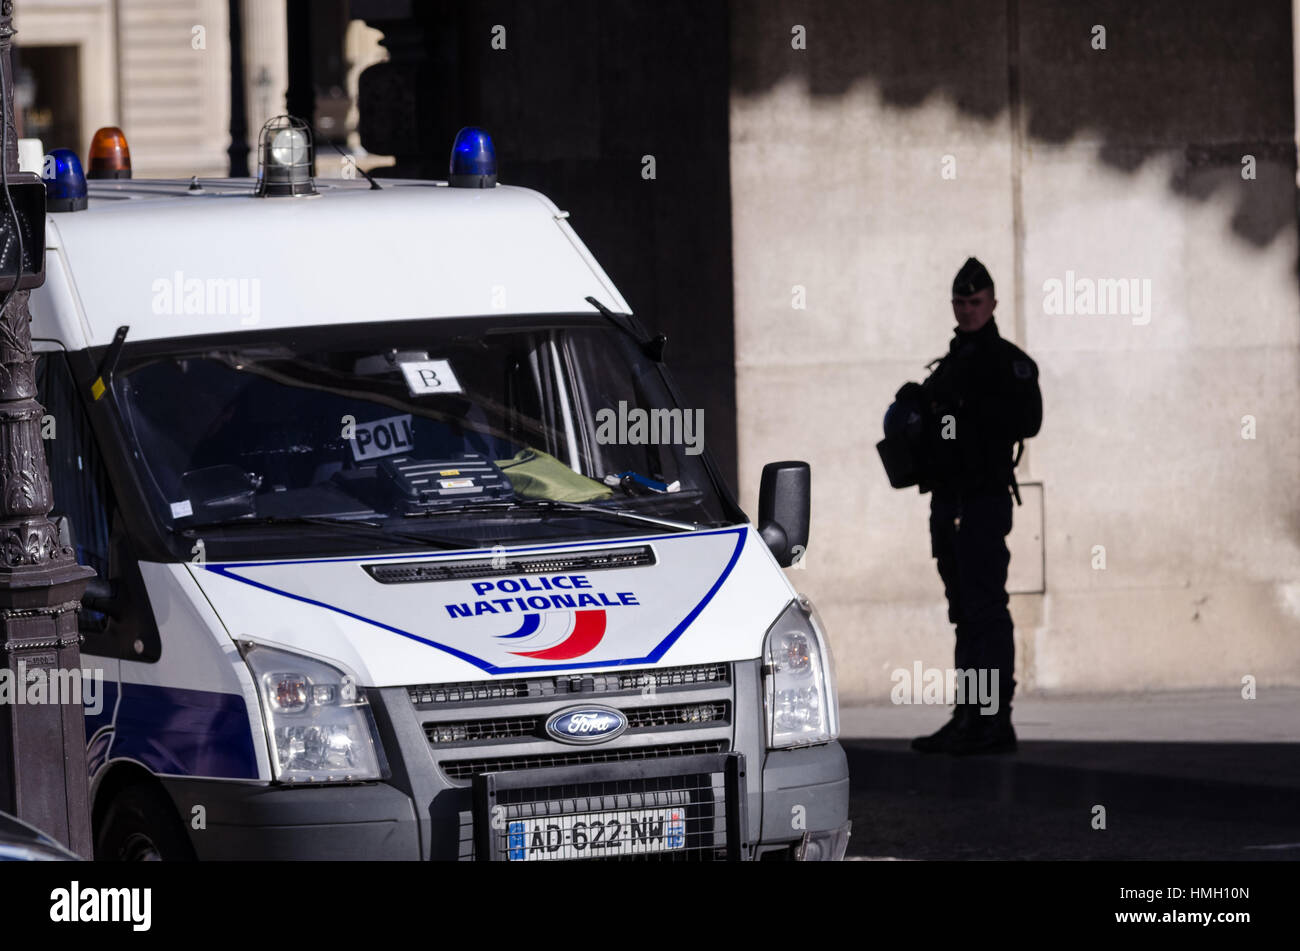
{"x":784,"y":503}
{"x":101,"y":594}
{"x":654,"y":347}
{"x":105,"y":597}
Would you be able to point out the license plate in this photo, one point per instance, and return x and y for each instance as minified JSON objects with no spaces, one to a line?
{"x":591,"y":835}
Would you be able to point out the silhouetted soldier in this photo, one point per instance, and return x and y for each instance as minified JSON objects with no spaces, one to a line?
{"x":954,"y":436}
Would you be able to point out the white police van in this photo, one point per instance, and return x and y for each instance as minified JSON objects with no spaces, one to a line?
{"x":374,"y":582}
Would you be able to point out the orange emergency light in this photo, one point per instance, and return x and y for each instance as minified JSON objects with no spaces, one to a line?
{"x":109,"y":156}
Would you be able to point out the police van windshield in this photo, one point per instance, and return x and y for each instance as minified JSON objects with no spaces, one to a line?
{"x":446,"y":427}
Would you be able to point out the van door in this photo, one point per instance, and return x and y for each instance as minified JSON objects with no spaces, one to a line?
{"x":83,"y":497}
{"x":115,"y":618}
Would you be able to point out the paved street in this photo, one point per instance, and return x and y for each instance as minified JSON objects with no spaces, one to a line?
{"x":1191,"y":775}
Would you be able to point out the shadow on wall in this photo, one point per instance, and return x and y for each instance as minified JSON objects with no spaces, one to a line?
{"x":1211,"y":79}
{"x":615,"y":110}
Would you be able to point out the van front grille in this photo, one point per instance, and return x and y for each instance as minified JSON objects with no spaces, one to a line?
{"x":677,"y":714}
{"x":480,"y":731}
{"x":444,"y":733}
{"x":464,"y":770}
{"x":574,"y":686}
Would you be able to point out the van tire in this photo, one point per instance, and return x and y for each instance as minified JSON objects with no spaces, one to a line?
{"x":140,"y":825}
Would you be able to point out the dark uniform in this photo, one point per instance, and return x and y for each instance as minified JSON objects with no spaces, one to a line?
{"x":979,"y":402}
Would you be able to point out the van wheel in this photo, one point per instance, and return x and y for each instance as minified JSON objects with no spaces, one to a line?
{"x":141,"y":826}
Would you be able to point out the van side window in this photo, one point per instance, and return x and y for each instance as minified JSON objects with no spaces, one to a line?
{"x":602,"y":385}
{"x":77,"y":478}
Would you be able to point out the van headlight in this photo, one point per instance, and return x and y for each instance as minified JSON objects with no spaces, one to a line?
{"x":317,"y":720}
{"x":799,"y":680}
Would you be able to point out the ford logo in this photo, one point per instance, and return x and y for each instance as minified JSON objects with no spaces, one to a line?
{"x":586,"y":725}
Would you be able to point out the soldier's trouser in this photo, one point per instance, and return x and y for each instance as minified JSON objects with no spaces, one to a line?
{"x":968,"y":539}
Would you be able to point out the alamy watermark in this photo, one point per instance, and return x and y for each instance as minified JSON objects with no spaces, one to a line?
{"x":642,"y":427}
{"x":1099,"y":297}
{"x":946,"y":686}
{"x":209,"y":297}
{"x":89,"y":904}
{"x":42,"y":685}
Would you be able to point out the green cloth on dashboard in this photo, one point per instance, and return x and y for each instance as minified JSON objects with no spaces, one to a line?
{"x":537,"y":475}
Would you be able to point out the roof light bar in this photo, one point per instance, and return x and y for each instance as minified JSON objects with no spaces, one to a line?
{"x":473,"y":160}
{"x":284,"y":159}
{"x":109,"y":156}
{"x":65,"y":185}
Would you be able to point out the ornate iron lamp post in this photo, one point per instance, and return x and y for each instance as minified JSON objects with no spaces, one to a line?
{"x":42,"y":745}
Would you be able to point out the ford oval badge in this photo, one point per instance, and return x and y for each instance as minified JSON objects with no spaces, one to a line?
{"x":586,"y":725}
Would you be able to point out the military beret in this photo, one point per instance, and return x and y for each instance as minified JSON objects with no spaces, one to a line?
{"x":971,"y":279}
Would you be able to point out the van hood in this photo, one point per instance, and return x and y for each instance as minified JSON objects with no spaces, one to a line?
{"x":396,"y":620}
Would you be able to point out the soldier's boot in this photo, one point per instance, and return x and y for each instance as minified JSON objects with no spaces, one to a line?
{"x":985,"y":734}
{"x":940,"y":740}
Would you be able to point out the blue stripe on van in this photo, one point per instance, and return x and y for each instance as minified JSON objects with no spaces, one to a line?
{"x":185,"y":732}
{"x":94,"y":722}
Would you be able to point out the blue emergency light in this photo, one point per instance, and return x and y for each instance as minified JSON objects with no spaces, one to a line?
{"x":473,"y":160}
{"x":65,"y":185}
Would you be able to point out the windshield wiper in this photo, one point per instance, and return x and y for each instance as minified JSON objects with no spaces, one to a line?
{"x":652,"y":348}
{"x":618,"y":513}
{"x":374,"y":529}
{"x":553,"y":505}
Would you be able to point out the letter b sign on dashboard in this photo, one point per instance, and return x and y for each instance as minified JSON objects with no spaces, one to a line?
{"x":430,"y":376}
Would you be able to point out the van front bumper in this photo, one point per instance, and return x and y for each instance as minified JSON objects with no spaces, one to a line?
{"x":242,"y":822}
{"x":804,"y":801}
{"x":805,"y":804}
{"x":778,"y":804}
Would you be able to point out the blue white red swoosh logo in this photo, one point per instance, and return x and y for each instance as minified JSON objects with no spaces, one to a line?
{"x":559,"y":635}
